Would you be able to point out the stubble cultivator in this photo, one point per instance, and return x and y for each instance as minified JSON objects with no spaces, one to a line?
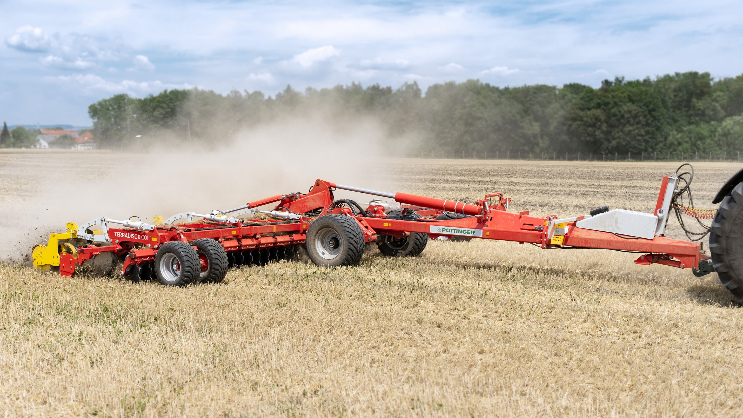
{"x":192,"y":248}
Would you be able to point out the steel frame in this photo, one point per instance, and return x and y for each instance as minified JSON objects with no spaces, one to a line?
{"x":488,"y":218}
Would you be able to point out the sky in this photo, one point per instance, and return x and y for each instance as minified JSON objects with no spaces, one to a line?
{"x":59,"y":57}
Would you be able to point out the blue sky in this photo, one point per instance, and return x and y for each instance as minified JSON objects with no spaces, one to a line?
{"x":58,"y":57}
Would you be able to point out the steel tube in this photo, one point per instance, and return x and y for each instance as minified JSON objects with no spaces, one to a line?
{"x":356,"y":189}
{"x":441,"y":204}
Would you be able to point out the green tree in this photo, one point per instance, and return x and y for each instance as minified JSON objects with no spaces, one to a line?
{"x":115,"y":121}
{"x":6,"y":140}
{"x":729,"y":137}
{"x":23,"y":138}
{"x":65,"y":141}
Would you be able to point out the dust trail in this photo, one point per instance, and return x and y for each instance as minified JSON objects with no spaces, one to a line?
{"x":41,"y":191}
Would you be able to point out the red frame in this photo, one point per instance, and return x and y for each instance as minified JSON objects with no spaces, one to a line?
{"x":487,"y":220}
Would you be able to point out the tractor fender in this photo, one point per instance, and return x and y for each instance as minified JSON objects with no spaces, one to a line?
{"x":728,"y":186}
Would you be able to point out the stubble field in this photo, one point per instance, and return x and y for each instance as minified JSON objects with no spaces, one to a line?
{"x":468,"y":328}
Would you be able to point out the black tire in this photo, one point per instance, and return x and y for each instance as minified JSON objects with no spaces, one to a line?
{"x":335,"y":240}
{"x":726,"y":242}
{"x":177,"y":264}
{"x":447,"y":216}
{"x":397,"y":214}
{"x":410,"y":246}
{"x":214,"y":265}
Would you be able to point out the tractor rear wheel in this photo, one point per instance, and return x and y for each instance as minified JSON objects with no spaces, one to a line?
{"x":726,"y":242}
{"x":410,"y":246}
{"x":335,"y":240}
{"x":177,"y":264}
{"x":212,"y":260}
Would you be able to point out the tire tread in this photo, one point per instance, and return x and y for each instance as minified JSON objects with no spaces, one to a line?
{"x":725,"y":244}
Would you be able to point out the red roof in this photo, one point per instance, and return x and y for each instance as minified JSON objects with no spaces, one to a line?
{"x":58,"y":132}
{"x":85,"y":138}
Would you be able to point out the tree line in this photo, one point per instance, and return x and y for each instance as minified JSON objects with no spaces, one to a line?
{"x":684,"y":113}
{"x":19,"y":137}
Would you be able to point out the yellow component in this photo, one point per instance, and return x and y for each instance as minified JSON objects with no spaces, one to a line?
{"x":67,"y":248}
{"x":154,"y":239}
{"x":559,"y":236}
{"x":158,"y":220}
{"x":46,"y":256}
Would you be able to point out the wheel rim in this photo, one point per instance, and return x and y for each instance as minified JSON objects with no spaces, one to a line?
{"x":396,"y":243}
{"x":170,"y":267}
{"x":204,"y":266}
{"x":328,"y":243}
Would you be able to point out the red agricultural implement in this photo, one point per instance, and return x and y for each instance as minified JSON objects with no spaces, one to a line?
{"x":191,"y":248}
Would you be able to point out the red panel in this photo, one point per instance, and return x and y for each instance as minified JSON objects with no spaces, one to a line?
{"x":66,"y":265}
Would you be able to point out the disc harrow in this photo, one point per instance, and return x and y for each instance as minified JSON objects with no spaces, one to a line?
{"x":191,"y":247}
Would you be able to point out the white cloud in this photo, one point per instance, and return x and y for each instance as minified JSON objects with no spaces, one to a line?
{"x":67,"y":50}
{"x":452,"y":67}
{"x":314,"y":56}
{"x":266,"y":78}
{"x":258,"y":61}
{"x":501,"y":71}
{"x":413,"y":77}
{"x":28,"y":39}
{"x":142,"y":63}
{"x":59,"y":62}
{"x":92,"y":83}
{"x":384,"y":65}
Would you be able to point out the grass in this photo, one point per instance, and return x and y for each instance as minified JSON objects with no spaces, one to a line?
{"x":469,"y":328}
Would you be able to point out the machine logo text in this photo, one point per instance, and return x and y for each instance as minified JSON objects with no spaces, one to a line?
{"x":450,"y":230}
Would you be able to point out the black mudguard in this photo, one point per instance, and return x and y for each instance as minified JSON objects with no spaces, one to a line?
{"x":728,"y":186}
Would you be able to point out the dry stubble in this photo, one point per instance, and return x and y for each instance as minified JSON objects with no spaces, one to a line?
{"x":476,"y":328}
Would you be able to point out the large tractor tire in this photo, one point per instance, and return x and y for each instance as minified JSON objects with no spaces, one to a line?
{"x":726,"y":242}
{"x":335,"y":240}
{"x":177,"y":264}
{"x":212,"y":260}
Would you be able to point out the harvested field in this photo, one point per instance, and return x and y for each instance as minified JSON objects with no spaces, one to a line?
{"x":468,"y":328}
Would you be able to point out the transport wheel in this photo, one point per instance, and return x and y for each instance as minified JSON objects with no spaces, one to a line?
{"x":335,"y":240}
{"x":726,"y":242}
{"x":410,"y":246}
{"x":177,"y":264}
{"x":447,"y":216}
{"x":212,"y":260}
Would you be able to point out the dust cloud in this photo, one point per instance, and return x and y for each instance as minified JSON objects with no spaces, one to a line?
{"x":40,"y":191}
